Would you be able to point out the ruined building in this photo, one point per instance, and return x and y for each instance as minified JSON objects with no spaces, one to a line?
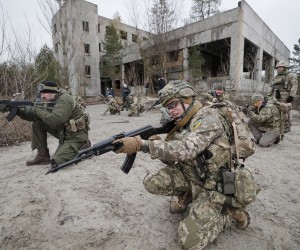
{"x":239,"y":49}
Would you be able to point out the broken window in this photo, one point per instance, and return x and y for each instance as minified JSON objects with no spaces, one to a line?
{"x":134,"y":38}
{"x":123,"y":35}
{"x":85,"y":26}
{"x":87,"y":70}
{"x":86,"y":48}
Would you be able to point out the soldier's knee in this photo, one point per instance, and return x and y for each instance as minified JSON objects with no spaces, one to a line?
{"x":148,"y":183}
{"x":189,"y":234}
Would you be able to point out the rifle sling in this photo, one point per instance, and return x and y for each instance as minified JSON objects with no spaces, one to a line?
{"x":185,"y":119}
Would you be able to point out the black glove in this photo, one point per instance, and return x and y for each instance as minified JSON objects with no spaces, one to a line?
{"x":4,"y":108}
{"x":290,"y":99}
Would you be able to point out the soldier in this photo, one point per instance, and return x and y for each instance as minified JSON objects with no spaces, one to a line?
{"x":199,"y":134}
{"x":217,"y":95}
{"x":284,"y":89}
{"x":64,"y":119}
{"x":125,"y":93}
{"x":135,"y":108}
{"x":265,"y":121}
{"x":113,"y":106}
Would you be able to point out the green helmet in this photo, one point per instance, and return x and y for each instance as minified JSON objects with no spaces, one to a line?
{"x":257,"y":97}
{"x":175,"y":89}
{"x":282,"y":64}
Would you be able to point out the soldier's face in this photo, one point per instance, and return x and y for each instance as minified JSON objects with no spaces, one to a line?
{"x":48,"y":96}
{"x":257,"y":103}
{"x":175,"y":109}
{"x":280,"y":69}
{"x":219,"y":92}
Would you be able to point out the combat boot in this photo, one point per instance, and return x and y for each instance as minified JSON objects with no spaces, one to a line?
{"x":242,"y":218}
{"x":42,"y":157}
{"x":178,"y":204}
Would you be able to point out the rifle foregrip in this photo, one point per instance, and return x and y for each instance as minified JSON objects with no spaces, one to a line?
{"x":127,"y":164}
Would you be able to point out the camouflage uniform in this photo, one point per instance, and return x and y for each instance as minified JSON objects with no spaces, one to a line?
{"x":64,"y":120}
{"x":205,"y":132}
{"x":265,"y":124}
{"x":284,"y":85}
{"x":135,"y":107}
{"x":113,"y":106}
{"x":213,"y":97}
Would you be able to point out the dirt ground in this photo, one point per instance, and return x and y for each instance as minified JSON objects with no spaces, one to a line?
{"x":94,"y":205}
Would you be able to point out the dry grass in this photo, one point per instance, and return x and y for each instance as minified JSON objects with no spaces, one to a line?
{"x":14,"y":132}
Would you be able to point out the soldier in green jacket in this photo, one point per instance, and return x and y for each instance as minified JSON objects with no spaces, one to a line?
{"x":63,"y":118}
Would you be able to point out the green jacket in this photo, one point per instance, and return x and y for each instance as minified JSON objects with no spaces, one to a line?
{"x":58,"y":115}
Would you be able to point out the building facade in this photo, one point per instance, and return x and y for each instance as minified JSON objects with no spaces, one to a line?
{"x":239,"y":49}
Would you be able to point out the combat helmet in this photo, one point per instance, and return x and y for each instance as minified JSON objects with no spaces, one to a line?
{"x":176,"y":89}
{"x":282,"y":64}
{"x":257,"y":97}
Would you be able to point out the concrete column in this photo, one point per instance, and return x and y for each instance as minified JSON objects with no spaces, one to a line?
{"x":185,"y":55}
{"x":123,"y":73}
{"x":272,"y":68}
{"x":258,"y":64}
{"x":236,"y":60}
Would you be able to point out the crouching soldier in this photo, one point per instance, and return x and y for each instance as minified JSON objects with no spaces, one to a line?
{"x":63,"y":118}
{"x":265,"y":121}
{"x":113,"y":106}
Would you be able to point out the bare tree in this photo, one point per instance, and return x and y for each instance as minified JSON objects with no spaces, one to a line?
{"x":204,"y":8}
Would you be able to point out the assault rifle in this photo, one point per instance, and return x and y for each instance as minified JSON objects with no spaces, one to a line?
{"x":107,"y":145}
{"x":14,"y":105}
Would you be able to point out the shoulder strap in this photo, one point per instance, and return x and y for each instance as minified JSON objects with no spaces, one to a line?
{"x":185,"y":119}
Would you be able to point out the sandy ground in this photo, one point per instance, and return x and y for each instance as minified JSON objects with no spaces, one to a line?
{"x":94,"y":205}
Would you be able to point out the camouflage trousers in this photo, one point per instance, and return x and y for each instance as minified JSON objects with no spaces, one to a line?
{"x":205,"y":219}
{"x":67,"y":148}
{"x":265,"y":139}
{"x":287,"y":117}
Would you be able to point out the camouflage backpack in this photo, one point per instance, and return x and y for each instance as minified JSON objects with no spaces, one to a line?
{"x":241,"y":139}
{"x":237,"y":180}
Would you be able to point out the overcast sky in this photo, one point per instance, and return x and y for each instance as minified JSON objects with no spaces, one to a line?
{"x":282,"y":16}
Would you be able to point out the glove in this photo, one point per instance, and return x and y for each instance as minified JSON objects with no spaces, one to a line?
{"x":4,"y":108}
{"x":130,"y":145}
{"x":290,"y":99}
{"x":29,"y":110}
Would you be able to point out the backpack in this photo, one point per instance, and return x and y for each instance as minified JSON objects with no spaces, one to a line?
{"x":241,"y":139}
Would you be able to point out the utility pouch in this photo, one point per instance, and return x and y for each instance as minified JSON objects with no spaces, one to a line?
{"x":73,"y":127}
{"x":228,"y":182}
{"x":277,"y":94}
{"x":87,"y":120}
{"x":201,"y":165}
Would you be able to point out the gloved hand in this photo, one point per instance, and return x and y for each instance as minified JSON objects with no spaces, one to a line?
{"x":290,"y":99}
{"x":29,"y":110}
{"x":4,"y":108}
{"x":130,"y":145}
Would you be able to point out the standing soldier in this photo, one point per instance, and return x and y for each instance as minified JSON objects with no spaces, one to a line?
{"x":284,"y":88}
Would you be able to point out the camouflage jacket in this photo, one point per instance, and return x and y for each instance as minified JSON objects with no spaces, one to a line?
{"x":211,"y":96}
{"x":267,"y":118}
{"x":112,"y":103}
{"x":287,"y":84}
{"x":204,"y":131}
{"x":58,"y":115}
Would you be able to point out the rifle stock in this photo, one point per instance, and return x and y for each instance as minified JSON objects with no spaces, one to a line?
{"x":107,"y":145}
